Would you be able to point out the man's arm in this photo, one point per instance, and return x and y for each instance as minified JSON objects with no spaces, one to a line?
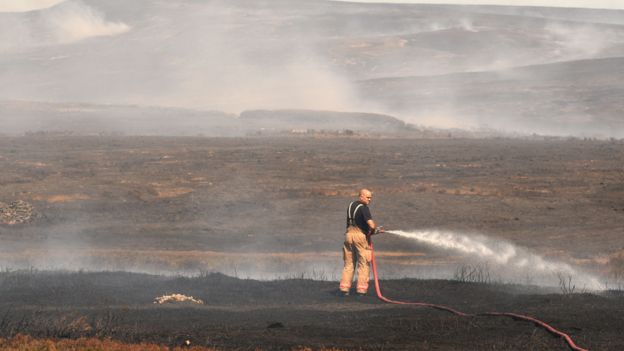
{"x":372,"y":227}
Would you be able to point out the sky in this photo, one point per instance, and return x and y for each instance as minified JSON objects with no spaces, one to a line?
{"x":29,"y":5}
{"x":607,"y":4}
{"x":25,"y":5}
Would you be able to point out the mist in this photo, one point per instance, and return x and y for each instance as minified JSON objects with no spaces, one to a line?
{"x":430,"y":65}
{"x":212,"y":56}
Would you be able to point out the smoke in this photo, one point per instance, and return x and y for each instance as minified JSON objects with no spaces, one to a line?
{"x":234,"y":59}
{"x":240,"y":55}
{"x":577,"y":42}
{"x":301,"y":82}
{"x":76,"y":21}
{"x":67,"y":23}
{"x":216,"y":56}
{"x":503,"y":256}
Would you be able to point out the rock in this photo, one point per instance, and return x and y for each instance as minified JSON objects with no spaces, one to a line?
{"x":176,"y":298}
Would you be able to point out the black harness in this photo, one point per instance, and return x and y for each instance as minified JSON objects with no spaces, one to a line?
{"x":351,"y":215}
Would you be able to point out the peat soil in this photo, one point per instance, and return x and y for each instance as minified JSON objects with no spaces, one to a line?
{"x":292,"y":313}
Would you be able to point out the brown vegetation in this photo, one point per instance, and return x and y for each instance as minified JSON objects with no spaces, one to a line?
{"x":26,"y":343}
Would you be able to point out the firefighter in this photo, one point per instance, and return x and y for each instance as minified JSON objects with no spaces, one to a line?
{"x":356,"y":249}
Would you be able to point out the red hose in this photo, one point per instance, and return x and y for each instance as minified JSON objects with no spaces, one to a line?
{"x":537,"y":322}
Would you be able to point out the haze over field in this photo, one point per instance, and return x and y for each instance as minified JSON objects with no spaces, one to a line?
{"x":511,"y":69}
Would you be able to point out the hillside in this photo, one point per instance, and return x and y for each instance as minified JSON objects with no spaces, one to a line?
{"x":581,"y":98}
{"x":243,"y":55}
{"x":27,"y":117}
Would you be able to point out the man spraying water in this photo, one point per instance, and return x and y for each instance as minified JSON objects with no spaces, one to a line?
{"x":356,"y":249}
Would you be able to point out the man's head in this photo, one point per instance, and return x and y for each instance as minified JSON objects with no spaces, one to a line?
{"x":365,"y":196}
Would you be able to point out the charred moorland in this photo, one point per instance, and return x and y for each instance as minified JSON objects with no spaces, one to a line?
{"x":272,"y":208}
{"x":287,"y":314}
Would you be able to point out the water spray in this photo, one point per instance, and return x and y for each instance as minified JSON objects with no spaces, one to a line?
{"x":499,"y":252}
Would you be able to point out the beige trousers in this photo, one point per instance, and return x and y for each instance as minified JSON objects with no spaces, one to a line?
{"x":355,"y":251}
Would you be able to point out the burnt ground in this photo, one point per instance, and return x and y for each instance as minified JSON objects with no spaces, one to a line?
{"x":273,"y":208}
{"x":286,"y":314}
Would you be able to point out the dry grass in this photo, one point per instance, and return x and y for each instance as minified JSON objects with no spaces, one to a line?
{"x":61,"y":198}
{"x":26,"y":343}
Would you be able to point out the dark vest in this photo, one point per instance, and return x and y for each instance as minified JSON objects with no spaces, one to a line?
{"x":357,"y":215}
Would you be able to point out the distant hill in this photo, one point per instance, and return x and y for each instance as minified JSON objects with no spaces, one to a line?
{"x":323,"y":120}
{"x":581,"y":98}
{"x":21,"y":117}
{"x":585,"y":15}
{"x":242,"y":55}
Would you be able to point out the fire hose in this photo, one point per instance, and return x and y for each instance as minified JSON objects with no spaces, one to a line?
{"x":515,"y":316}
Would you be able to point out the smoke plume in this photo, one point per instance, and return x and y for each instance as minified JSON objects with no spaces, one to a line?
{"x":76,"y":21}
{"x":63,"y":24}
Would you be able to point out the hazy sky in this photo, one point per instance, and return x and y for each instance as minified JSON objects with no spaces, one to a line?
{"x":28,"y":5}
{"x":25,"y":5}
{"x":607,"y":4}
